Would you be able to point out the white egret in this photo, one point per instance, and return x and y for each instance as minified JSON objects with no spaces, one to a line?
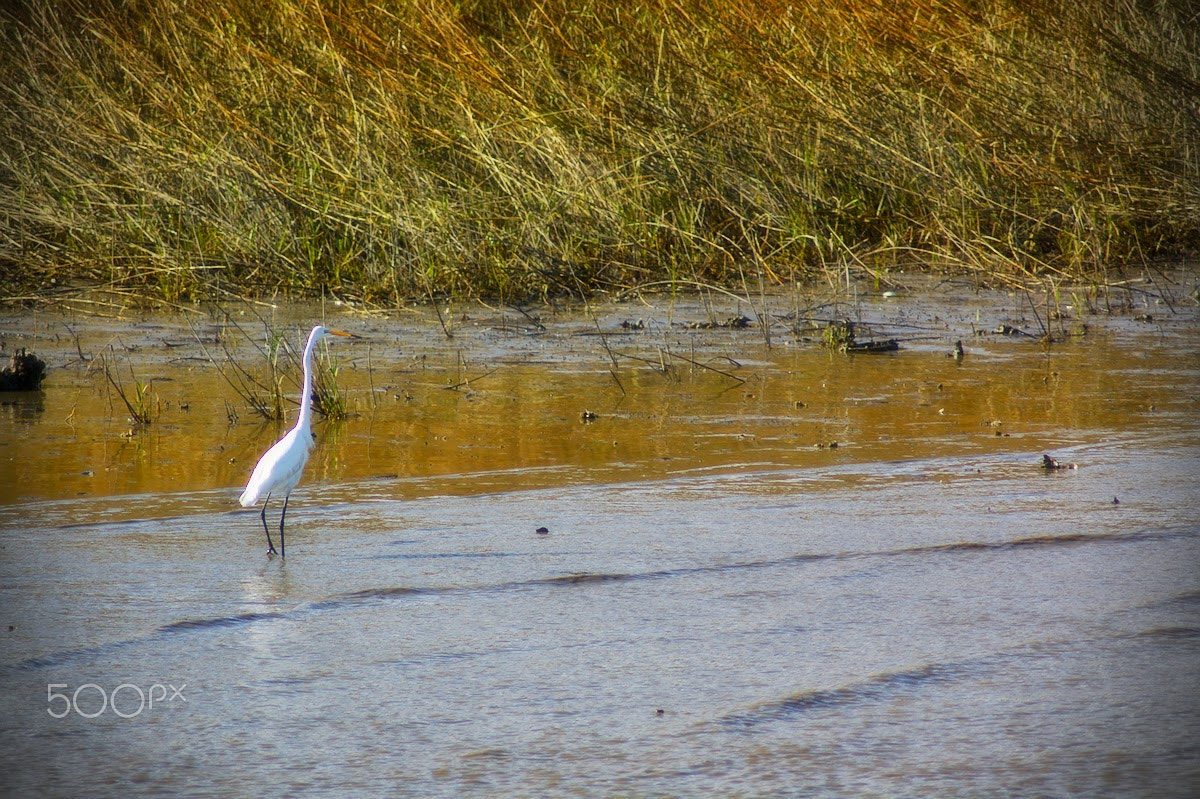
{"x":278,"y":470}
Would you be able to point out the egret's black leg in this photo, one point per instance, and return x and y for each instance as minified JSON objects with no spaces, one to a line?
{"x":263,"y":516}
{"x":282,"y":544}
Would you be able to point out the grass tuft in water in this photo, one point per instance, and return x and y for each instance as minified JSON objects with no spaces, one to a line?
{"x":266,"y":386}
{"x":143,"y":406}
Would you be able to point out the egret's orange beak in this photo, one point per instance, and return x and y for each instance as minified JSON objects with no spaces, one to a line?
{"x":341,"y":333}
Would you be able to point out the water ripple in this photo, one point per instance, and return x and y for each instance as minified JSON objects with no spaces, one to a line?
{"x":587,"y":579}
{"x":873,"y":688}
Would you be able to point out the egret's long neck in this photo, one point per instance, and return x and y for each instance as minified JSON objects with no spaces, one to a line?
{"x":305,"y":420}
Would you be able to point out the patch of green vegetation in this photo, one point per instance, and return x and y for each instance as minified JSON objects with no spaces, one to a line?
{"x":266,"y":386}
{"x":143,"y":407}
{"x":379,"y":152}
{"x":328,"y":399}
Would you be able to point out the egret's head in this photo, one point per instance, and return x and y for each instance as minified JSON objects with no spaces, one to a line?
{"x":320,"y":331}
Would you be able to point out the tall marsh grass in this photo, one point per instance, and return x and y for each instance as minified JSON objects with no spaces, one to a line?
{"x":382,"y":150}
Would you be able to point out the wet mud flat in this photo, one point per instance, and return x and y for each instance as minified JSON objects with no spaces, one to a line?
{"x":649,"y":387}
{"x":768,"y":565}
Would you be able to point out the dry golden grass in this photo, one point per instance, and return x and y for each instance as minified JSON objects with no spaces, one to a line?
{"x":379,"y":151}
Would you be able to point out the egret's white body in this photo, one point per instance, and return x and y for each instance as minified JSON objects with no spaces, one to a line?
{"x":279,"y":469}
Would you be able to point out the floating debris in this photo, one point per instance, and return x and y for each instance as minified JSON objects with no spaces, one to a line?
{"x":732,"y":323}
{"x":841,"y":336}
{"x":838,"y":335}
{"x":638,"y":325}
{"x":543,"y":531}
{"x":25,"y":374}
{"x":1052,"y":464}
{"x":886,"y":345}
{"x":588,"y":416}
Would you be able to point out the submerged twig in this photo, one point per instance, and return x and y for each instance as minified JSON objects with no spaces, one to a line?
{"x":470,"y":380}
{"x":709,"y":368}
{"x":611,"y":357}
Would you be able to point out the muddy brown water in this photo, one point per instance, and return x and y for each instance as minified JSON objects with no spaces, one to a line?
{"x":770,"y":568}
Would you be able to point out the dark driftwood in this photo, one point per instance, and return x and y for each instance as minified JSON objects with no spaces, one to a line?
{"x":25,"y":374}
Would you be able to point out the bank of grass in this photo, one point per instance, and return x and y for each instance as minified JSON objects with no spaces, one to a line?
{"x":379,"y":151}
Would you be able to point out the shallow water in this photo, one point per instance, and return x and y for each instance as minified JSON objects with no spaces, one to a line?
{"x":725,"y":604}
